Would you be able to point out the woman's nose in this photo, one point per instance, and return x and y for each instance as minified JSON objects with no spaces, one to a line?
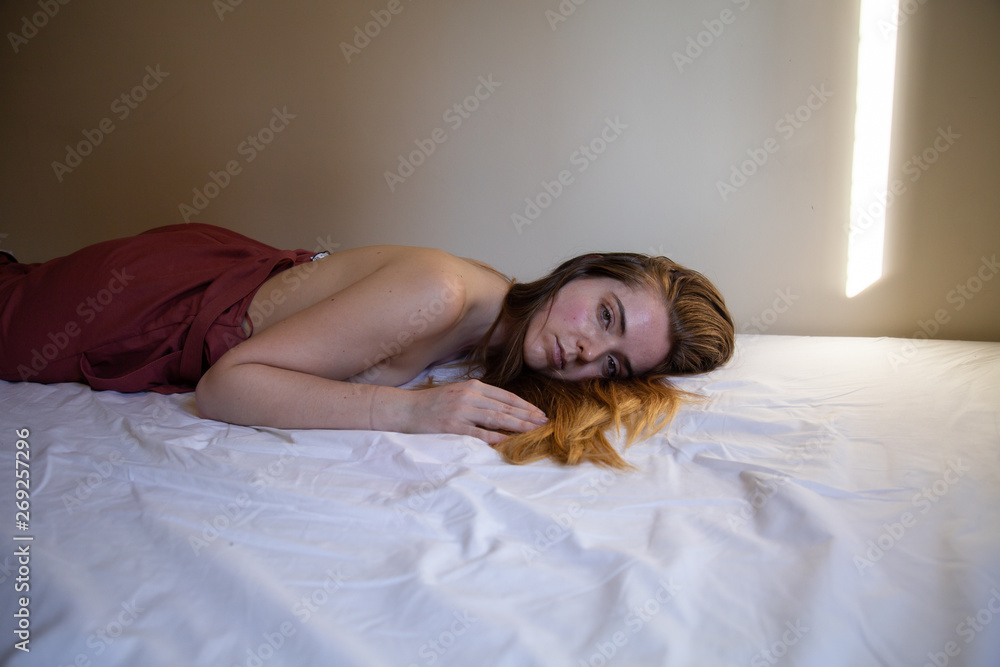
{"x":588,"y":350}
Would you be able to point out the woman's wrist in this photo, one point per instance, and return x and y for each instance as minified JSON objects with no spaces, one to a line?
{"x":388,"y":408}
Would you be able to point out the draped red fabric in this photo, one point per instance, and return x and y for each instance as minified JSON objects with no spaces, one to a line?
{"x":146,"y":313}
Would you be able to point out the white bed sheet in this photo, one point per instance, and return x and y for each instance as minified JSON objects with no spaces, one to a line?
{"x":836,"y":502}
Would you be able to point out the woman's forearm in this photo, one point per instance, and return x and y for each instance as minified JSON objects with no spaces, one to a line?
{"x":255,"y":394}
{"x":260,"y":395}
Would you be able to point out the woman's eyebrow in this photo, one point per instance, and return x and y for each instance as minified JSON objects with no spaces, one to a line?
{"x":621,"y":313}
{"x":621,"y":320}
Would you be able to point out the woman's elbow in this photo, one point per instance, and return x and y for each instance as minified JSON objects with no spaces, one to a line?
{"x":206,"y":395}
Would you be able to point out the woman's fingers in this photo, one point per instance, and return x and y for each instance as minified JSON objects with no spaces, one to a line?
{"x":489,"y":437}
{"x":513,"y":404}
{"x":474,"y":408}
{"x":504,"y":411}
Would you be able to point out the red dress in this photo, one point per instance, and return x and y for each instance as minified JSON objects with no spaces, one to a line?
{"x":146,"y":313}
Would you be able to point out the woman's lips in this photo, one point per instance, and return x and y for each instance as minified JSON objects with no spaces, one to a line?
{"x":558,"y":357}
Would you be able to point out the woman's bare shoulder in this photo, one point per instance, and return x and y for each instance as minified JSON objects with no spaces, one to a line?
{"x":470,"y":291}
{"x":419,"y":269}
{"x":400,"y":308}
{"x":305,"y":285}
{"x":356,"y":263}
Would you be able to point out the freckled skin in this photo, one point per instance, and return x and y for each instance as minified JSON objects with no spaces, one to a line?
{"x":579,"y":334}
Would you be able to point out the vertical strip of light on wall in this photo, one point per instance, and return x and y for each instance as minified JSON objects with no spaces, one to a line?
{"x":872,"y":136}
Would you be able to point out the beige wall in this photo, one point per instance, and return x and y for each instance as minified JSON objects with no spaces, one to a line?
{"x":676,"y":130}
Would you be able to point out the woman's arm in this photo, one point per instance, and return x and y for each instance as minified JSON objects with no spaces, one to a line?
{"x":292,"y":374}
{"x":262,"y":395}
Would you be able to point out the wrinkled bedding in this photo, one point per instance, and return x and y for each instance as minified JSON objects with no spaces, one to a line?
{"x":835,"y":501}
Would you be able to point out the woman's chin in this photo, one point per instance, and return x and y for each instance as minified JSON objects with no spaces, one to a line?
{"x":541,"y":369}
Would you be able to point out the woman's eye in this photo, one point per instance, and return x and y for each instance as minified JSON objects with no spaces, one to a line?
{"x":606,"y":314}
{"x":612,"y":367}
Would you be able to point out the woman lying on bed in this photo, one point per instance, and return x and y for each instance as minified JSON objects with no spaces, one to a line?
{"x":289,"y":339}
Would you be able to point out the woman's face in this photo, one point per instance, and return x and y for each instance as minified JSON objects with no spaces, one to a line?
{"x":598,"y":327}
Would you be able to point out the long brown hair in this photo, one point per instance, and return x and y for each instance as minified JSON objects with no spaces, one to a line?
{"x":702,"y":337}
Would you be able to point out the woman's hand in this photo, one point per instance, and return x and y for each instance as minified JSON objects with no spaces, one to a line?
{"x":471,"y":408}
